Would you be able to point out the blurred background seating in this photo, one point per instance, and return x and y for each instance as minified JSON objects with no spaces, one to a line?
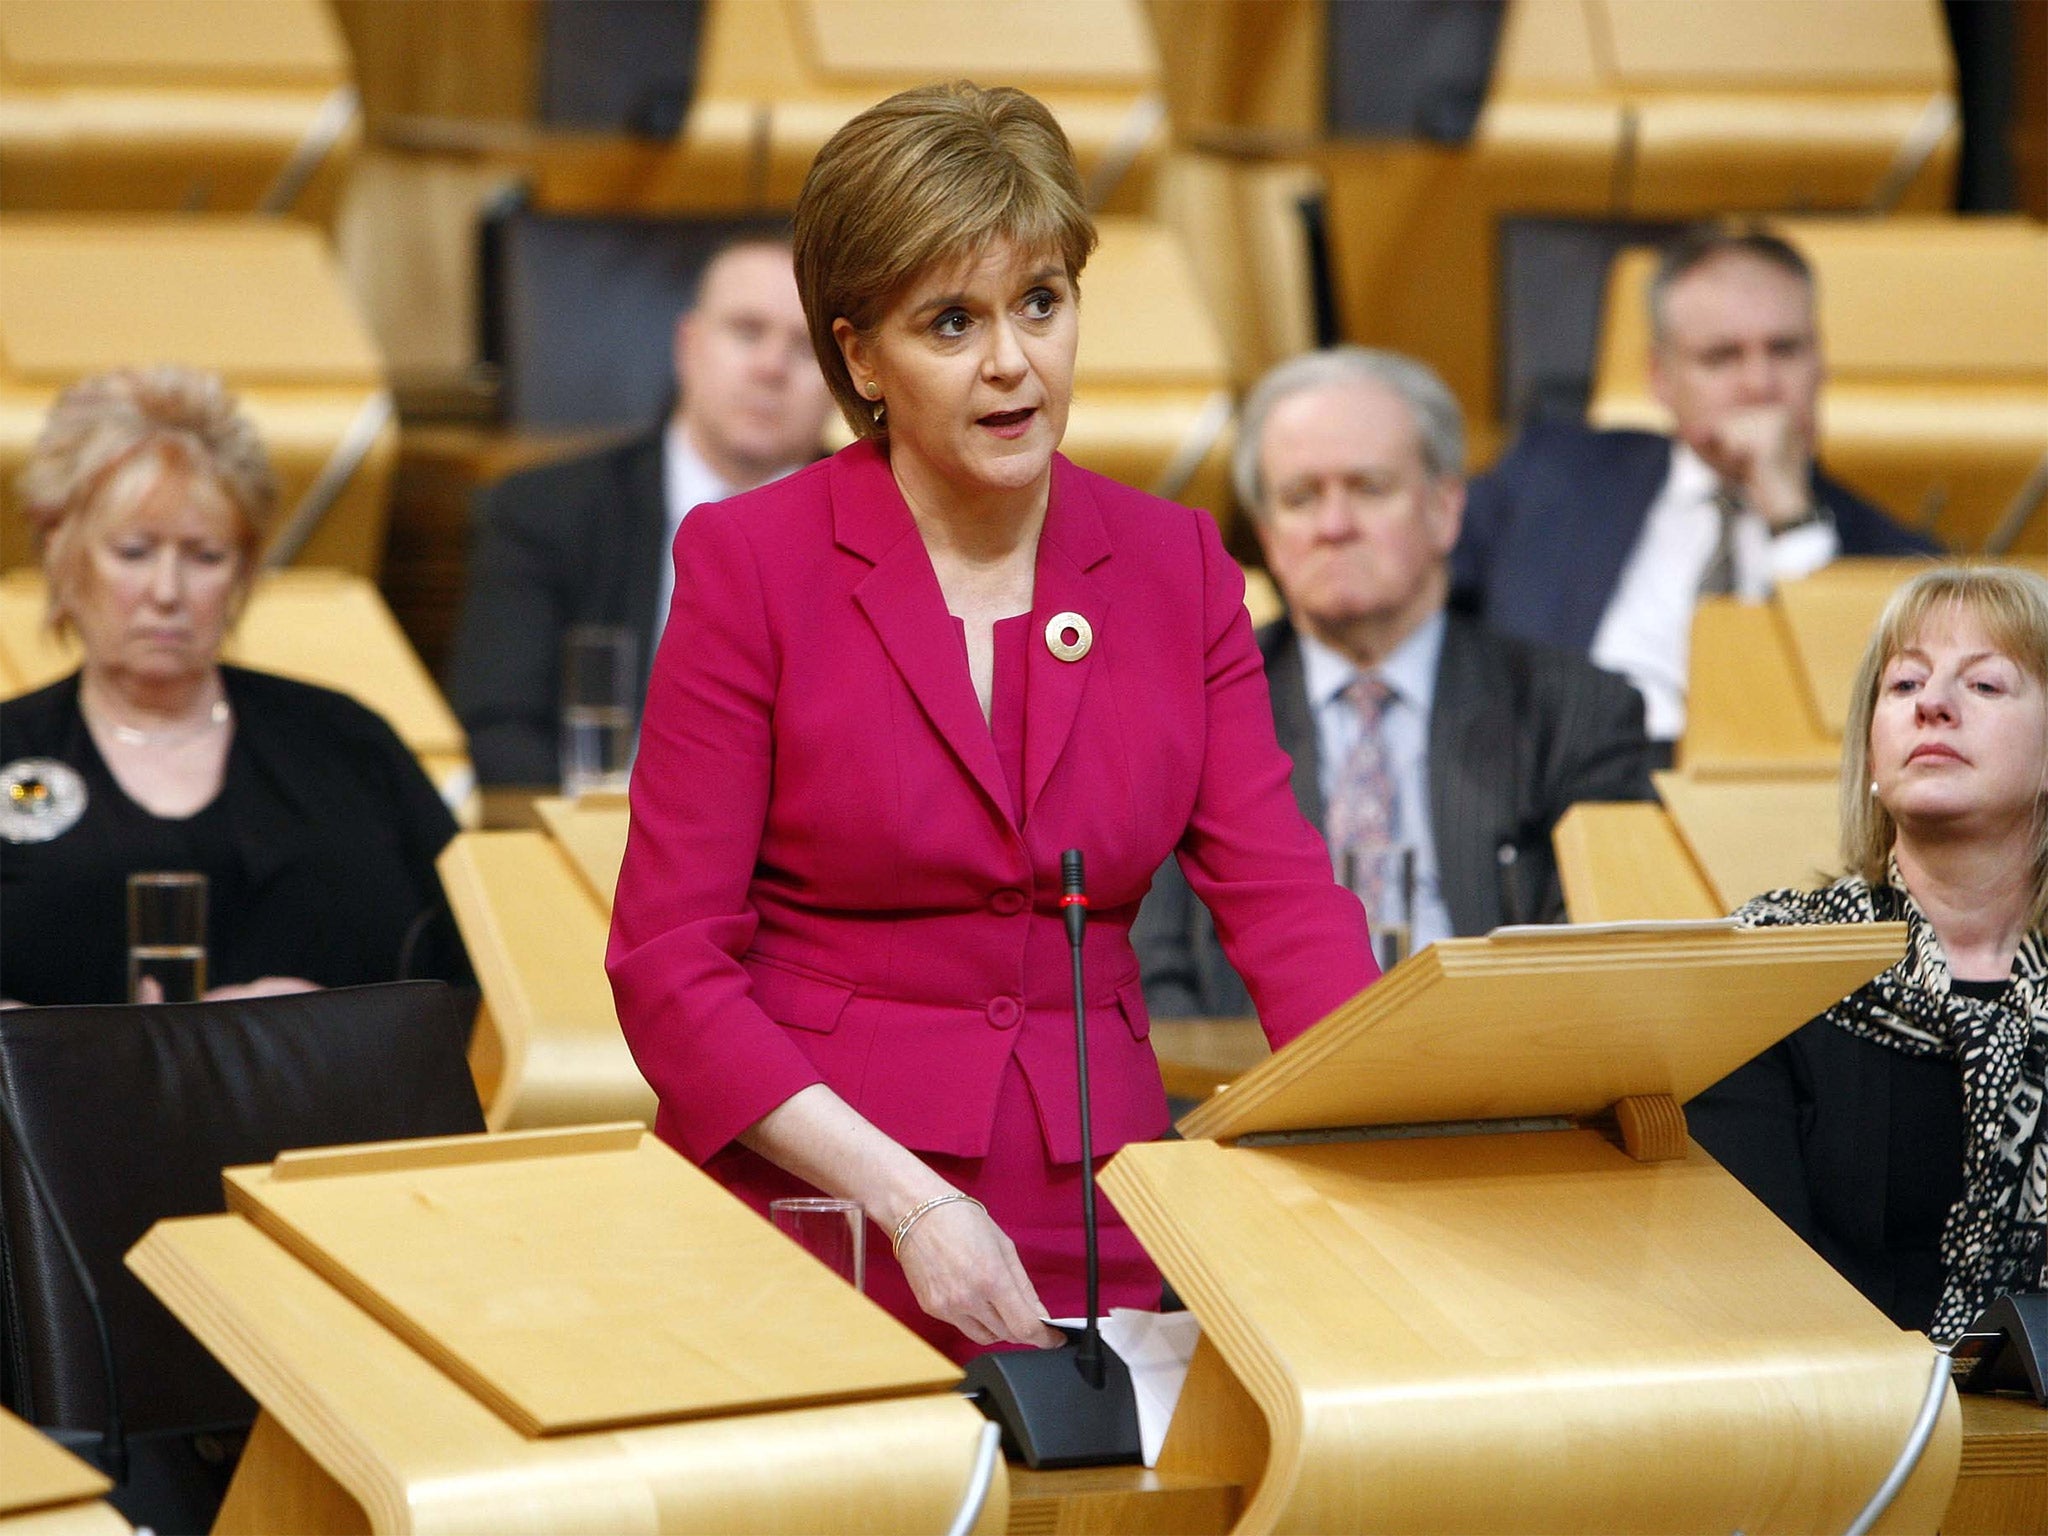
{"x":491,"y":202}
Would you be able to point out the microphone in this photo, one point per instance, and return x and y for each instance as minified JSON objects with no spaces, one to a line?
{"x":1074,"y":908}
{"x":1072,"y":1406}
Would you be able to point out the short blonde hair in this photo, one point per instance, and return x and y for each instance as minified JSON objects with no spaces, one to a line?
{"x":2012,"y":606}
{"x":931,"y":175}
{"x":110,"y":439}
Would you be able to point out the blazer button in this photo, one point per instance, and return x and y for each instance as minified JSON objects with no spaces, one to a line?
{"x":1003,"y":1013}
{"x":1006,"y":902}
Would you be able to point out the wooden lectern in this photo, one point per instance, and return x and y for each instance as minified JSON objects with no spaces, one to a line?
{"x":1459,"y":1268}
{"x":557,"y":1331}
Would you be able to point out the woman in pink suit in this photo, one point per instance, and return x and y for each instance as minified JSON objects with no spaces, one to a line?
{"x":896,"y":686}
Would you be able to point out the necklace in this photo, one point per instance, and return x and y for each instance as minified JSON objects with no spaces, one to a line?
{"x":177,"y":735}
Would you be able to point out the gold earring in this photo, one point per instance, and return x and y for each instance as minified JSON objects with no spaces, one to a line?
{"x":872,"y":390}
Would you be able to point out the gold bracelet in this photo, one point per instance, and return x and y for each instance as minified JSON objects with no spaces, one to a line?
{"x":923,"y":1209}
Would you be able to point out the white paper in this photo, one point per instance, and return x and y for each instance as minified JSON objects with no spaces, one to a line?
{"x":1581,"y":930}
{"x":1157,"y":1346}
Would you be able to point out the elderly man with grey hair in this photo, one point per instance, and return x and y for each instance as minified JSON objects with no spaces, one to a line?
{"x":1434,"y":755}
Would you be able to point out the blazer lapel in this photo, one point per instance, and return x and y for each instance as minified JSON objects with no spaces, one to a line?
{"x":901,"y":600}
{"x":1611,"y":510}
{"x":1293,"y":724}
{"x":1073,"y":543}
{"x":644,"y":501}
{"x":1472,"y":730}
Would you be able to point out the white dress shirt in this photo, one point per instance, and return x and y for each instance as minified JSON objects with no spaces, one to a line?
{"x":1646,"y":633}
{"x":686,"y":482}
{"x":1409,"y":673}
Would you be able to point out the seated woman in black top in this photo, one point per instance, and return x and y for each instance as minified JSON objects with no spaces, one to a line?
{"x":315,"y":827}
{"x":1901,"y":1133}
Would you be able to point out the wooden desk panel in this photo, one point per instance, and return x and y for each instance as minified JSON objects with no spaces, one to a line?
{"x":1553,"y":1021}
{"x":554,"y":1054}
{"x":369,"y":1436}
{"x":37,"y":1474}
{"x":1625,"y":863}
{"x":581,"y":1279}
{"x":591,"y":832}
{"x":1754,"y":835}
{"x":1746,"y":707}
{"x":1830,"y":616}
{"x":1530,"y":1332}
{"x":1198,"y":1056}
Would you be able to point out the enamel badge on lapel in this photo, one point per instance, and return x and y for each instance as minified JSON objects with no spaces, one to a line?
{"x":1068,"y":636}
{"x":40,"y":799}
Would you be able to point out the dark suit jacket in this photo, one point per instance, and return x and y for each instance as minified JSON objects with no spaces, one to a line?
{"x":1550,"y":527}
{"x":1518,"y":734}
{"x":577,"y":542}
{"x":318,"y":851}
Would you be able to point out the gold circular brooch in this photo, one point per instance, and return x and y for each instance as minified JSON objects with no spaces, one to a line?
{"x":1068,"y":636}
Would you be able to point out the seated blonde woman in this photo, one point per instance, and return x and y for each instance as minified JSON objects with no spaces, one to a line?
{"x":315,"y":828}
{"x":1900,"y":1133}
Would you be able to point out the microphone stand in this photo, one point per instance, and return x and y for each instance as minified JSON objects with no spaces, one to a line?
{"x":1072,"y":1406}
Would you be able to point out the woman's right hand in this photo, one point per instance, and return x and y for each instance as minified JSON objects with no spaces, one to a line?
{"x":964,"y":1270}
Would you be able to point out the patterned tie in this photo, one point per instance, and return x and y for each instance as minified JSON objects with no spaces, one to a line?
{"x":1718,"y":579}
{"x":1361,"y":816}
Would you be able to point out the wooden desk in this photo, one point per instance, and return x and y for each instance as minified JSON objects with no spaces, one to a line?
{"x":361,"y":1432}
{"x":591,"y":834}
{"x":260,"y":301}
{"x":1625,"y":862}
{"x":547,"y":1048}
{"x":47,"y":1491}
{"x":1198,"y":1056}
{"x":2003,"y":1484}
{"x":1129,"y":1501}
{"x":1747,"y":712}
{"x":1753,"y":835}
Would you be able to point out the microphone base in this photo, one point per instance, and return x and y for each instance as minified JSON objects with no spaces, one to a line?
{"x":1049,"y":1415}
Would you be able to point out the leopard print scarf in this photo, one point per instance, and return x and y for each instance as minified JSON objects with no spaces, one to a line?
{"x":1992,"y":1239}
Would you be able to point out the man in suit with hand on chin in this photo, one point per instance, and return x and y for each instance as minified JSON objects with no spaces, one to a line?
{"x":586,"y":540}
{"x":1435,"y":755}
{"x":1600,"y":542}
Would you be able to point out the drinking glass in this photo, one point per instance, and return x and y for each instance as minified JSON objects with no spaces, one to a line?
{"x":598,"y":671}
{"x":834,"y":1232}
{"x":167,"y":935}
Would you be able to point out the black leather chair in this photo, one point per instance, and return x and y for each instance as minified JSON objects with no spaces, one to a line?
{"x":577,"y":312}
{"x":112,"y":1118}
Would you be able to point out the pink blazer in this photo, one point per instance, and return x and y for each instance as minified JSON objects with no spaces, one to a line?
{"x":824,"y":880}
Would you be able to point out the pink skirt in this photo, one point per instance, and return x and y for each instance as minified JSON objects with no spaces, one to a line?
{"x":1036,"y":1202}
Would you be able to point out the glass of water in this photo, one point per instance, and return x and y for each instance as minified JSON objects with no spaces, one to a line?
{"x":598,"y":674}
{"x":834,"y":1232}
{"x":166,"y":936}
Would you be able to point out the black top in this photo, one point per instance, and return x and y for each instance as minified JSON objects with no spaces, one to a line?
{"x":1855,"y":1146}
{"x":318,"y":851}
{"x":580,"y":541}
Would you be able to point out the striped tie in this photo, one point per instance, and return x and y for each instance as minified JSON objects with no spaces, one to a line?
{"x":1361,"y":817}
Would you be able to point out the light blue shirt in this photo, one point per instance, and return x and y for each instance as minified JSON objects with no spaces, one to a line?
{"x":1409,"y":673}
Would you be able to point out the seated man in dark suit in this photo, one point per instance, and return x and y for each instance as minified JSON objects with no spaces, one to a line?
{"x":586,"y":540}
{"x":1435,"y":755}
{"x":1600,"y":542}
